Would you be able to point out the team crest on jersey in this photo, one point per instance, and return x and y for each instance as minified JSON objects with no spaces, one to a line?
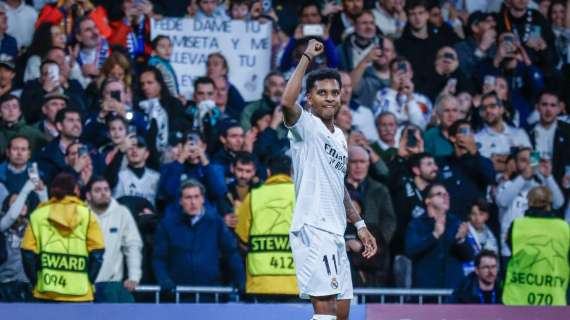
{"x":334,"y":283}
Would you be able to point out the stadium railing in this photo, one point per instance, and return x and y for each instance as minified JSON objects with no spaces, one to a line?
{"x":362,"y":295}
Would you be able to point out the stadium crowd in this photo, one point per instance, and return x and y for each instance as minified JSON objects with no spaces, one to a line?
{"x":454,"y":111}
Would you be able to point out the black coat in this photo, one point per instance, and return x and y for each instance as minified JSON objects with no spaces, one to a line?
{"x":561,"y":154}
{"x":468,"y":292}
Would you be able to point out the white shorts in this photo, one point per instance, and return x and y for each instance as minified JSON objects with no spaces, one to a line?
{"x":321,"y":262}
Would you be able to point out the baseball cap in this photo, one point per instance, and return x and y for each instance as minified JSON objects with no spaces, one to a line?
{"x":7,"y":62}
{"x":54,"y":95}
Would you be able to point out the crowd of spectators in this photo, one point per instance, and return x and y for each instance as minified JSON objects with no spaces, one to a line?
{"x":453,"y":112}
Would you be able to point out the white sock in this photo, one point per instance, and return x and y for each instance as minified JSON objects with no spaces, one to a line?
{"x":323,"y":317}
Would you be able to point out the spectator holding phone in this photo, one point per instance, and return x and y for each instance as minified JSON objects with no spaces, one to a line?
{"x":466,"y":173}
{"x":193,"y":162}
{"x":373,"y":72}
{"x":55,"y":77}
{"x":479,"y":43}
{"x":436,"y":138}
{"x":310,"y":25}
{"x":551,"y":137}
{"x":511,"y":198}
{"x":114,"y":102}
{"x":14,"y":218}
{"x":534,"y":33}
{"x":401,"y":99}
{"x":342,"y":22}
{"x":52,"y":103}
{"x":525,"y":77}
{"x":447,"y":78}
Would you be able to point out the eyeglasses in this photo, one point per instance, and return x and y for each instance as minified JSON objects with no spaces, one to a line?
{"x":491,"y":105}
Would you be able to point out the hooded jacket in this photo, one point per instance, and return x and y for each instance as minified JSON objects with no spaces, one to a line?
{"x":63,"y":216}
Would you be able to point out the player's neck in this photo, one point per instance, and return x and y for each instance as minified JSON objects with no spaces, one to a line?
{"x":329,"y":124}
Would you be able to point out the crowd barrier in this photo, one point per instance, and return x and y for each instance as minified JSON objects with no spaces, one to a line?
{"x":361,"y":295}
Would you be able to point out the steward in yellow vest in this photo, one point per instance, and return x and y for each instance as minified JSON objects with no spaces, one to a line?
{"x":63,"y":246}
{"x":264,"y":220}
{"x":538,"y":271}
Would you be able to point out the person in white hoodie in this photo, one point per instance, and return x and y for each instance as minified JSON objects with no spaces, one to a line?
{"x":400,"y":97}
{"x":122,"y":242}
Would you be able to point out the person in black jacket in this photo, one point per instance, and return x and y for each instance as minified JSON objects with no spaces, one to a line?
{"x":466,"y":173}
{"x":550,"y":136}
{"x":420,"y":40}
{"x":482,"y":285}
{"x":343,"y":21}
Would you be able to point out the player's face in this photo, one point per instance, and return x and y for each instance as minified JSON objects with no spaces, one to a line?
{"x":324,"y":98}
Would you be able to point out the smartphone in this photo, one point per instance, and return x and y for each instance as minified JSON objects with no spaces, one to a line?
{"x":490,"y":80}
{"x":412,"y":140}
{"x":534,"y":158}
{"x":316,"y":30}
{"x":535,"y":32}
{"x":464,"y":131}
{"x":509,"y":40}
{"x":53,"y":72}
{"x":33,"y":172}
{"x":132,"y":129}
{"x":402,"y":66}
{"x":379,"y":42}
{"x":192,"y":139}
{"x":567,"y":170}
{"x":452,"y":82}
{"x":82,"y":151}
{"x":116,"y":94}
{"x":266,"y":5}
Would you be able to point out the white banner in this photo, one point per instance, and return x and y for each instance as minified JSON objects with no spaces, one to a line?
{"x":246,"y":46}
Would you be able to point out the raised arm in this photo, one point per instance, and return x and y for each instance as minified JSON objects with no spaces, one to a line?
{"x":290,"y":110}
{"x":352,"y":215}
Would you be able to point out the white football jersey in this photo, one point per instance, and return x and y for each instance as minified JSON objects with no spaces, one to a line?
{"x":320,"y":160}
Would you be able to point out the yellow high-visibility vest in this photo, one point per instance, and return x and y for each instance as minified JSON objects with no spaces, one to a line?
{"x":538,"y":272}
{"x":63,"y":259}
{"x":271,"y":214}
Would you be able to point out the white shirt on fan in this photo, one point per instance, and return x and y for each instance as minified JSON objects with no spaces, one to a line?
{"x":320,"y":160}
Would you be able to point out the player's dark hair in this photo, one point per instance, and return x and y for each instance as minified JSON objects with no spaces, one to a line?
{"x":322,"y":74}
{"x":279,"y":164}
{"x":485,"y":254}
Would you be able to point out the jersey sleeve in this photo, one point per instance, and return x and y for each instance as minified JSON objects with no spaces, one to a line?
{"x":301,"y":130}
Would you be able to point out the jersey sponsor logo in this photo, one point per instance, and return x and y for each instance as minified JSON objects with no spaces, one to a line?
{"x":63,"y":262}
{"x":336,"y":160}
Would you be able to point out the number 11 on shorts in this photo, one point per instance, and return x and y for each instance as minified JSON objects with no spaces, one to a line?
{"x":327,"y":266}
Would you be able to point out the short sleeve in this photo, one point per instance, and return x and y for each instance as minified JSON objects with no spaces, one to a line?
{"x":301,"y":130}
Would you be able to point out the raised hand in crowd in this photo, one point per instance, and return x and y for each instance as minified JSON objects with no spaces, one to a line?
{"x":462,"y":231}
{"x":331,"y":8}
{"x":545,"y":168}
{"x":439,"y":226}
{"x":407,"y":147}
